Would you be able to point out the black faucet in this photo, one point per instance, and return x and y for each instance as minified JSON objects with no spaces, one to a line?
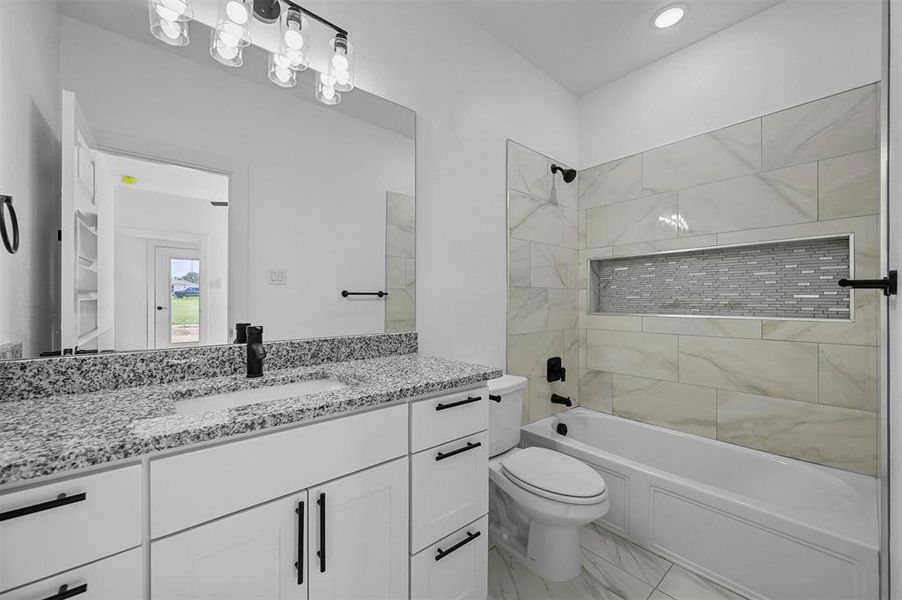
{"x":555,"y":399}
{"x":241,"y":333}
{"x":255,"y":351}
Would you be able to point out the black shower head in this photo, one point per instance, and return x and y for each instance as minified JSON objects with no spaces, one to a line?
{"x":568,"y":174}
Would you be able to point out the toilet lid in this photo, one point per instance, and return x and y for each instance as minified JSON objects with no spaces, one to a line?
{"x":555,"y":473}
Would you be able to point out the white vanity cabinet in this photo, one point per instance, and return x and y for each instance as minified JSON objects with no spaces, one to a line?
{"x":449,"y":496}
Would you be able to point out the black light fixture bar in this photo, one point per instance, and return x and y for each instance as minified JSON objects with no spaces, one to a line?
{"x":316,"y":17}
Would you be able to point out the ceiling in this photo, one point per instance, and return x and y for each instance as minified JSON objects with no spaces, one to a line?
{"x":584,"y":44}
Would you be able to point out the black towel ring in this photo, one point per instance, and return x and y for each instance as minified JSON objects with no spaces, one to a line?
{"x":6,"y":206}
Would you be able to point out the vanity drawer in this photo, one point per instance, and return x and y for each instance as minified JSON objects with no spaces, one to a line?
{"x":196,"y":487}
{"x":43,"y":532}
{"x":118,"y":577}
{"x":450,"y":488}
{"x":454,"y":568}
{"x":438,"y":420}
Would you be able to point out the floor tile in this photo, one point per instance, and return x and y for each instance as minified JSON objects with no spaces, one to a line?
{"x":599,"y":580}
{"x":659,"y":595}
{"x":633,"y":559}
{"x":681,"y":584}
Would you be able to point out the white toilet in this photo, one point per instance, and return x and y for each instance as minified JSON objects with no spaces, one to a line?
{"x":538,"y":498}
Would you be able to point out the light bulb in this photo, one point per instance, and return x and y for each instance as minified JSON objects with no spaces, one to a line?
{"x":342,"y":77}
{"x":228,"y":39}
{"x":226,"y":51}
{"x":340,"y":62}
{"x":171,"y":29}
{"x":328,"y":92}
{"x":172,"y":10}
{"x":294,"y":39}
{"x":237,"y":11}
{"x":283,"y":74}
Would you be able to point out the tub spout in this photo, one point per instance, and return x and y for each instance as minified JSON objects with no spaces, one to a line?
{"x":555,"y":399}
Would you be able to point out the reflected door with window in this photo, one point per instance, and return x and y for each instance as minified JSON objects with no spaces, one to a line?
{"x":177,"y":297}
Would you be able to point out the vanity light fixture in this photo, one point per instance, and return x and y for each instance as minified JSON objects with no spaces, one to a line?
{"x":169,"y":23}
{"x":669,"y":16}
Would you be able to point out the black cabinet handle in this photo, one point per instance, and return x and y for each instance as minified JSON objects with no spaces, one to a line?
{"x":440,"y":554}
{"x":441,"y":406}
{"x":495,"y":397}
{"x":64,"y":592}
{"x":61,"y":500}
{"x":321,"y":553}
{"x":300,"y":564}
{"x":469,"y":446}
{"x":6,"y":205}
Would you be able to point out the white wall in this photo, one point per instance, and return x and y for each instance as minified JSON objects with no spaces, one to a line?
{"x":138,"y":215}
{"x":309,"y":183}
{"x":30,"y":171}
{"x":793,"y":53}
{"x":471,"y":93}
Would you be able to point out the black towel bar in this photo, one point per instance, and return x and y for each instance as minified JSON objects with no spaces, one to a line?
{"x":346,"y":293}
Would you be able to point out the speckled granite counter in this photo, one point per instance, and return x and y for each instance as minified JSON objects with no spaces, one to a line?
{"x":55,"y":434}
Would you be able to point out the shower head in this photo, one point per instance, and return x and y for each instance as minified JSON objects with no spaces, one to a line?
{"x":568,"y":174}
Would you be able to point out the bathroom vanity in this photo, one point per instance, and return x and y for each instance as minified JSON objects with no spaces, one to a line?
{"x":375,"y":486}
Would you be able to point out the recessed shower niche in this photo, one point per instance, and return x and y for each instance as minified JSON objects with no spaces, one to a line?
{"x":793,"y":279}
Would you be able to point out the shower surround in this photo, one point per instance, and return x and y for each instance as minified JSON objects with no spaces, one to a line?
{"x":800,"y":388}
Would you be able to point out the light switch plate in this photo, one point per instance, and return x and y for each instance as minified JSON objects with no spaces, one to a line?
{"x":277,"y":277}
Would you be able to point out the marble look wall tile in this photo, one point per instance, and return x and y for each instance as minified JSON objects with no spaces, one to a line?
{"x":583,"y":348}
{"x":527,"y":171}
{"x":611,"y":182}
{"x":399,"y":326}
{"x":563,"y":309}
{"x":396,"y":272}
{"x":740,"y":328}
{"x":779,"y":369}
{"x":518,"y":262}
{"x":581,"y":232}
{"x":611,"y":322}
{"x":596,"y":390}
{"x":563,"y":193}
{"x":527,"y":310}
{"x":571,"y":228}
{"x":642,"y":354}
{"x":411,"y":273}
{"x":688,"y":408}
{"x":682,"y":243}
{"x":552,"y":266}
{"x":861,"y":331}
{"x":637,"y":220}
{"x":400,"y":241}
{"x":571,"y":350}
{"x":867,"y":256}
{"x":400,"y":210}
{"x":849,"y":186}
{"x":760,"y":200}
{"x":400,"y":305}
{"x":535,"y":220}
{"x":539,"y":404}
{"x":723,"y":154}
{"x":848,"y":376}
{"x":828,"y":435}
{"x":527,"y":353}
{"x":842,"y":124}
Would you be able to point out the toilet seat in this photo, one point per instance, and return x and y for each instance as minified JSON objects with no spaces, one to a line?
{"x":555,"y":476}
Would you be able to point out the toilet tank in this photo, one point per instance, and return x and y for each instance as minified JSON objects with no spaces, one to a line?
{"x":506,"y":415}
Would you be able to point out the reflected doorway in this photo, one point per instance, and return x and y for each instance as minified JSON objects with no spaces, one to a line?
{"x":177,"y":300}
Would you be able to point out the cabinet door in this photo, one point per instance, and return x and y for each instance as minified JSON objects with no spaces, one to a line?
{"x":119,"y":577}
{"x":358,"y":535}
{"x":253,"y":554}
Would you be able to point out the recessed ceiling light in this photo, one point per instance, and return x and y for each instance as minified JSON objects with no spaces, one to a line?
{"x":669,"y":16}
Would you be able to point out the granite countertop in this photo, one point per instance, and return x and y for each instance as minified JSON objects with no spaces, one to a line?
{"x":56,"y":434}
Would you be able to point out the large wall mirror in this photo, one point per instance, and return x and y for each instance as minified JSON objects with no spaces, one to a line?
{"x":162,"y":197}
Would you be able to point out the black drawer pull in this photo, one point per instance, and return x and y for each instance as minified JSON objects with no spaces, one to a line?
{"x":458,"y":403}
{"x":300,"y":564}
{"x":61,"y":500}
{"x":495,"y":397}
{"x":470,"y":537}
{"x":65,"y":592}
{"x":321,"y":553}
{"x":469,"y":446}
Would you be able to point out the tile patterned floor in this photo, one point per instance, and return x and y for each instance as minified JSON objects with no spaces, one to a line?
{"x":613,"y":569}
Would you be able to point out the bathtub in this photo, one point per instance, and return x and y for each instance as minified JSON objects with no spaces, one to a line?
{"x":764,"y":526}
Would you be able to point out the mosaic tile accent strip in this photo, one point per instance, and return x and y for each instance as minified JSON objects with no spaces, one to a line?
{"x":20,"y":380}
{"x":783,"y":280}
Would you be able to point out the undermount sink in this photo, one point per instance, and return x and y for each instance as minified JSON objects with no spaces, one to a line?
{"x":256,"y":395}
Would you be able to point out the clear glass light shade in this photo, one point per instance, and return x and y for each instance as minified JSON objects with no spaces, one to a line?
{"x":227,"y":43}
{"x":341,"y":64}
{"x":293,"y":32}
{"x":239,"y":11}
{"x":172,"y":32}
{"x":326,"y":91}
{"x":172,"y":10}
{"x":281,"y":71}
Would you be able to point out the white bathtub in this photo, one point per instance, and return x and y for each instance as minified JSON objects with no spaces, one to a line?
{"x":764,"y":526}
